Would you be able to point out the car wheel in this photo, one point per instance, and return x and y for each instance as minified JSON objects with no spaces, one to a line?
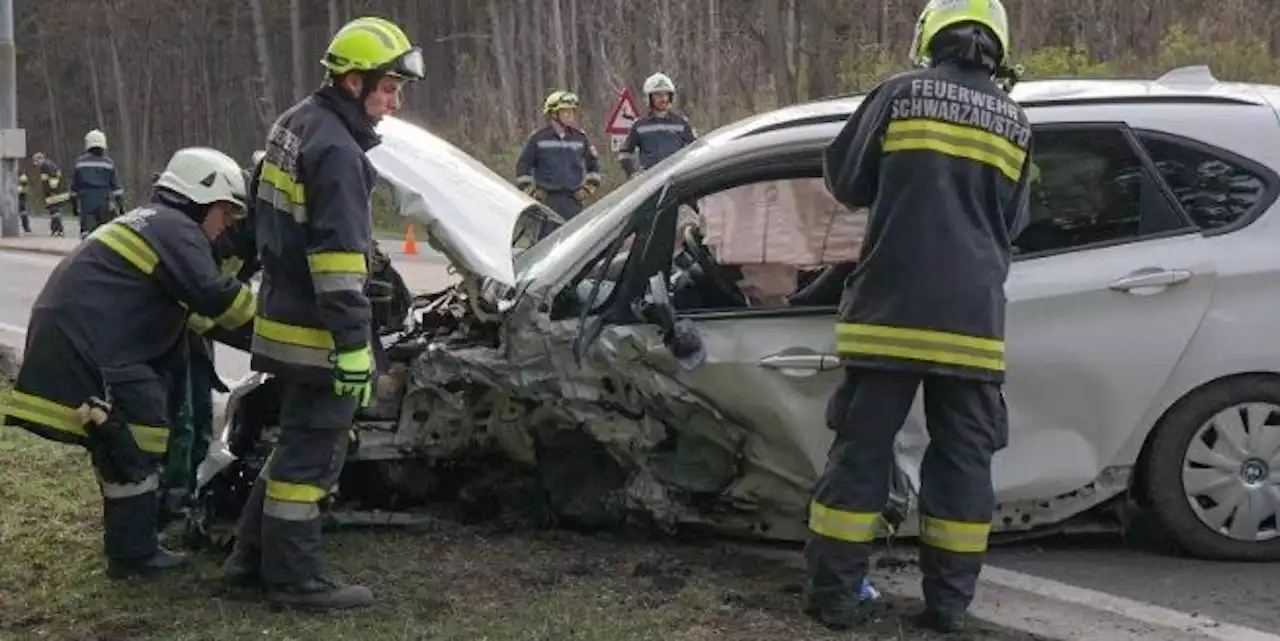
{"x":1213,"y":471}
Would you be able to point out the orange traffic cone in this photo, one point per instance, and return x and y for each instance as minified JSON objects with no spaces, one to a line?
{"x":410,"y":244}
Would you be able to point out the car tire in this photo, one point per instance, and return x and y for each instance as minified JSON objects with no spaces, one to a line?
{"x":1163,"y":478}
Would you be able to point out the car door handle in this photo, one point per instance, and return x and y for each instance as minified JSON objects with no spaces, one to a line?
{"x":1162,"y":278}
{"x":801,"y":364}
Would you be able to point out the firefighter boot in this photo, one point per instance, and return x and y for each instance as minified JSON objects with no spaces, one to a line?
{"x":162,"y":561}
{"x":242,"y":566}
{"x":320,"y":593}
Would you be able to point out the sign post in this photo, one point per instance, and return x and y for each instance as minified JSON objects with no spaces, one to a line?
{"x":624,"y":114}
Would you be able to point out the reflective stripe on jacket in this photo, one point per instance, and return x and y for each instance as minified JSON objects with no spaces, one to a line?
{"x":312,"y":226}
{"x":654,"y":137}
{"x":941,"y":156}
{"x":94,"y":182}
{"x":55,"y":189}
{"x":557,"y":163}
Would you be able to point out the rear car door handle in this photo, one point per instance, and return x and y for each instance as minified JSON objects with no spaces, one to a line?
{"x":1162,"y":278}
{"x":801,"y":364}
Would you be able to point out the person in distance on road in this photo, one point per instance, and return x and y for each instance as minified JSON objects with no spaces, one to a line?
{"x":313,"y":332}
{"x":941,"y":155}
{"x":55,"y":191}
{"x":102,"y":385}
{"x":95,"y":184}
{"x":558,"y":165}
{"x":660,"y":133}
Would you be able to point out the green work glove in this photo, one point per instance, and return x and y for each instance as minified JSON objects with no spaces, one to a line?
{"x":353,"y":374}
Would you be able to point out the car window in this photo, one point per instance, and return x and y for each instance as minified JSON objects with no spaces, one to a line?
{"x":1214,"y":190}
{"x":1089,"y":186}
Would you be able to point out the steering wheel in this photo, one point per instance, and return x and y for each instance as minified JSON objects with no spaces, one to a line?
{"x":710,"y":270}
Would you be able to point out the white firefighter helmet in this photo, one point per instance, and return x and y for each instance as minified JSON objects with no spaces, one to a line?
{"x":257,"y":157}
{"x":657,"y":83}
{"x":95,"y":139}
{"x":204,"y":175}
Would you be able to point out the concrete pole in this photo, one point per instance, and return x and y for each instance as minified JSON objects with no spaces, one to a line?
{"x":8,"y":121}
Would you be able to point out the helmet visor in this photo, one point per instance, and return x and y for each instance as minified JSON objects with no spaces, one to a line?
{"x":409,"y":65}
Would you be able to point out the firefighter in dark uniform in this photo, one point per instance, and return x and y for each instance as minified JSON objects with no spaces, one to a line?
{"x":55,"y":192}
{"x":558,"y":165}
{"x":95,"y":184}
{"x":941,"y":156}
{"x":23,"y":214}
{"x":659,"y":133}
{"x":312,"y":222}
{"x":101,"y":385}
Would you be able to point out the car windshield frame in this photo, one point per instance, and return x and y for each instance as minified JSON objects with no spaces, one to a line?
{"x":586,"y":229}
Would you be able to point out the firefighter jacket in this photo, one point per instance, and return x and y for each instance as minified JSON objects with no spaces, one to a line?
{"x":95,"y":184}
{"x":941,"y":157}
{"x":22,"y":192}
{"x":55,"y":189}
{"x":653,"y":138}
{"x":312,"y":222}
{"x":112,"y":314}
{"x":558,"y":163}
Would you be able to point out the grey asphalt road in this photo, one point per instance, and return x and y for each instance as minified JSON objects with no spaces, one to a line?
{"x":1143,"y":570}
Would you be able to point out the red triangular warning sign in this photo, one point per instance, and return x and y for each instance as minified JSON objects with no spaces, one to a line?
{"x":625,"y":112}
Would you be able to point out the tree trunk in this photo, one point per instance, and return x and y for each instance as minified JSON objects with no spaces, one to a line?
{"x":713,"y":36}
{"x":503,"y":63}
{"x":295,"y":32}
{"x":266,"y":104}
{"x":557,"y":39}
{"x":335,"y":21}
{"x":129,"y":143}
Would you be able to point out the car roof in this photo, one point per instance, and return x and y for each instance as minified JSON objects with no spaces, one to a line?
{"x":1185,"y":85}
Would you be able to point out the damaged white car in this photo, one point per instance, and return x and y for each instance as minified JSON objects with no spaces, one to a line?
{"x":664,"y":358}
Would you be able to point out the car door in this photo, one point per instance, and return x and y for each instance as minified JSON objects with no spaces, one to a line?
{"x":1110,"y":284}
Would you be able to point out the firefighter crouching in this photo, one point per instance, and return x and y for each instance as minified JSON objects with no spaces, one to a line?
{"x":941,"y":155}
{"x":95,"y":185}
{"x":313,"y":332}
{"x":558,"y":165}
{"x":55,"y":192}
{"x":99,"y":385}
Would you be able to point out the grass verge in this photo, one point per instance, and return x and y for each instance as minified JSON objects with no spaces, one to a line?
{"x":447,"y":582}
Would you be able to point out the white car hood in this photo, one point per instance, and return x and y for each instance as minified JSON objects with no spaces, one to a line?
{"x":470,"y":211}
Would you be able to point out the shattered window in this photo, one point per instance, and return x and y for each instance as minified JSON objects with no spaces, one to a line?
{"x":776,"y":230}
{"x":1214,"y":191}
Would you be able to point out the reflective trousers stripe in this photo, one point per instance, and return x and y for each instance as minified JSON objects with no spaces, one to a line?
{"x":150,"y":438}
{"x":129,"y":245}
{"x":295,"y":344}
{"x":954,"y":536}
{"x":57,"y":199}
{"x":129,"y":490}
{"x":833,"y":523}
{"x":921,"y":345}
{"x":292,"y":501}
{"x":959,"y":141}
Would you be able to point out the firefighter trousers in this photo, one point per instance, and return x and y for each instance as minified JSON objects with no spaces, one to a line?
{"x":126,"y":454}
{"x":967,"y":424}
{"x":564,"y":204}
{"x":282,"y":516}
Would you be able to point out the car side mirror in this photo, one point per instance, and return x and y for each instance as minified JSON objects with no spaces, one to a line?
{"x":679,"y":336}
